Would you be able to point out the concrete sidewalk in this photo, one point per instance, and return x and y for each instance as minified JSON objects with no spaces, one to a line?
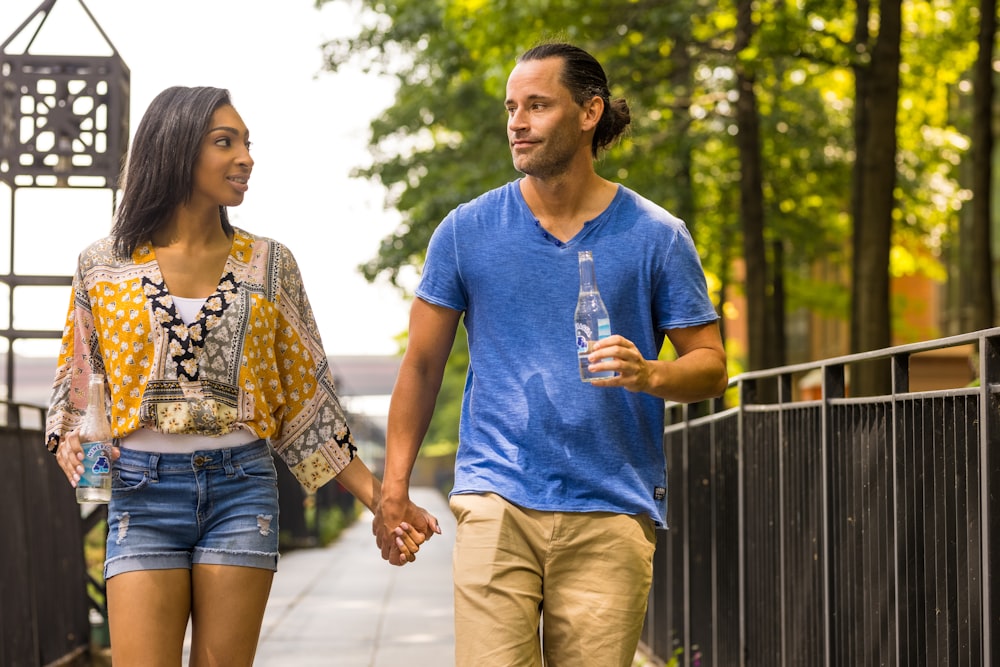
{"x":344,"y":605}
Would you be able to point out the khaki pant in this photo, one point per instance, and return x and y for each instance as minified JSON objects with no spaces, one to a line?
{"x":570,"y":585}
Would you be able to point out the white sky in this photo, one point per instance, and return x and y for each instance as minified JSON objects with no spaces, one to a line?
{"x":309,"y":129}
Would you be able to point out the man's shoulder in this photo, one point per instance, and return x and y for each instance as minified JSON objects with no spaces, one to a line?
{"x":645,"y":208}
{"x":502,"y":195}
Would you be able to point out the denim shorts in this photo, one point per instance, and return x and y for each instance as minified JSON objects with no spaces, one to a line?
{"x":215,"y":506}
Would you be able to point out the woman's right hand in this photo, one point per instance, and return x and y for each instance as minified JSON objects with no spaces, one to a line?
{"x":408,"y":539}
{"x":70,"y":457}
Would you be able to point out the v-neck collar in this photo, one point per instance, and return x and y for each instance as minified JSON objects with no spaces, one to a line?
{"x":188,"y":340}
{"x":588,"y":226}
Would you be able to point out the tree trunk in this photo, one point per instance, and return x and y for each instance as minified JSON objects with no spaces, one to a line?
{"x":776,"y":328}
{"x":751,"y":200}
{"x":861,"y":77}
{"x":878,"y":97}
{"x":981,"y":313}
{"x":681,"y":78}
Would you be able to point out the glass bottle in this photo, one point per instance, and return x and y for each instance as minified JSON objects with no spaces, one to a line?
{"x":95,"y":438}
{"x":591,"y":318}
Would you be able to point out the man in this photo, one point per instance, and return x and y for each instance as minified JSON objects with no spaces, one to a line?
{"x":558,"y":483}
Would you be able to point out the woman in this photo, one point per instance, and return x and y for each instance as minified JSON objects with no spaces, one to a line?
{"x":212,"y":356}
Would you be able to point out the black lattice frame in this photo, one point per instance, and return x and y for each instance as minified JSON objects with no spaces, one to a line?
{"x":62,"y":116}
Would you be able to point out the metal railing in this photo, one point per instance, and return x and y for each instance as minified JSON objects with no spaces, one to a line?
{"x":43,"y":598}
{"x":835,"y":529}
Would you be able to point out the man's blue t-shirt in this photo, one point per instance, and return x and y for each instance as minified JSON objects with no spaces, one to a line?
{"x":531,"y":430}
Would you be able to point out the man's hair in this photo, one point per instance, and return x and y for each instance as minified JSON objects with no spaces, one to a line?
{"x":159,"y":171}
{"x":585,"y":79}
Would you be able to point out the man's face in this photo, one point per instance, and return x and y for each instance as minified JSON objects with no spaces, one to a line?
{"x":545,"y":127}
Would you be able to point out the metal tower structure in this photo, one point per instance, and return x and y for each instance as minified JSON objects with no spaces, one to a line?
{"x":64,"y":123}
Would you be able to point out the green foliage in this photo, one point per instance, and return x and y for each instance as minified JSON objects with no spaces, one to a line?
{"x":332,"y":521}
{"x":443,"y":140}
{"x":94,"y":545}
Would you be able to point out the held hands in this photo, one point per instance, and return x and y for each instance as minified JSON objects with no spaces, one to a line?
{"x":69,"y":456}
{"x":400,"y":527}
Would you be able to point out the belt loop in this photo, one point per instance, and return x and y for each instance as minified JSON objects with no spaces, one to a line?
{"x":154,"y":462}
{"x":227,"y":462}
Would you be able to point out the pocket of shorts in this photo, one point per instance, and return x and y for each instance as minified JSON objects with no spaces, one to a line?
{"x":260,"y":469}
{"x":128,"y":480}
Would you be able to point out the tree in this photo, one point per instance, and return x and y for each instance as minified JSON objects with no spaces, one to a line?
{"x":766,"y":336}
{"x":877,"y":86}
{"x":782,"y":201}
{"x":981,"y":265}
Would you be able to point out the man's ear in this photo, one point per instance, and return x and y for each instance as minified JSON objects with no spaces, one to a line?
{"x":593,"y":109}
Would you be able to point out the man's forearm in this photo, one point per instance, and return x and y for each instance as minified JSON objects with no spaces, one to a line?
{"x":410,"y":410}
{"x":696,"y":376}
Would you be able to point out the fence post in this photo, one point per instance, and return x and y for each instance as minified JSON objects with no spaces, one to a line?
{"x":989,"y":433}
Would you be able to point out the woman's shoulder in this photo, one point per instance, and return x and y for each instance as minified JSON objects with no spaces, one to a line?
{"x":258,"y":245}
{"x":100,"y":253}
{"x":266,"y":259}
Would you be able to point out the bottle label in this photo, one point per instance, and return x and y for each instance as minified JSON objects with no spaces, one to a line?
{"x":96,"y":464}
{"x":603,"y":328}
{"x":585,"y":335}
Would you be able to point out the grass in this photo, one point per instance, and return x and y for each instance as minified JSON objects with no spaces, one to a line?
{"x":94,"y":545}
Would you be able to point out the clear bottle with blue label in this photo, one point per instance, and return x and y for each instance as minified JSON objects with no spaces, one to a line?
{"x":592,"y":321}
{"x":95,"y":438}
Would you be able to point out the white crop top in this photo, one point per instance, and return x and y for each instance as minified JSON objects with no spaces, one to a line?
{"x":187,"y":308}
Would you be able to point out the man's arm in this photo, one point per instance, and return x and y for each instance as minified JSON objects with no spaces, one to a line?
{"x":431,"y":334}
{"x":698,"y":373}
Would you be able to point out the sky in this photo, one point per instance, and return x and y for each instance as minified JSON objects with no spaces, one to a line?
{"x":309,"y":129}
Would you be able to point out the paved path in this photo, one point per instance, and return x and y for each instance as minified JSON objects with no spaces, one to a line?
{"x":343,"y":605}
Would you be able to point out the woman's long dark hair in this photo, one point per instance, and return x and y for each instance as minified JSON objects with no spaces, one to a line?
{"x":159,"y":172}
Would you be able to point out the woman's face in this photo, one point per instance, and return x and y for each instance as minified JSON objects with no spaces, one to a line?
{"x":224,"y":164}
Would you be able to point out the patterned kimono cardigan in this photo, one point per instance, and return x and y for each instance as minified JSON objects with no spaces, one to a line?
{"x":252,"y":360}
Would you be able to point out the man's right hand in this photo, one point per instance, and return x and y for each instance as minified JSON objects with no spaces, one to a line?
{"x":395,"y":519}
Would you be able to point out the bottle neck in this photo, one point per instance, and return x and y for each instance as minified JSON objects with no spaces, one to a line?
{"x":96,"y":394}
{"x":588,"y":280}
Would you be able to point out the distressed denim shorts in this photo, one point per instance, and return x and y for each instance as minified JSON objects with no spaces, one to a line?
{"x":214,"y":506}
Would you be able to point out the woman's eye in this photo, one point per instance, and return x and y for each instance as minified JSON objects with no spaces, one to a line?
{"x":223,"y":141}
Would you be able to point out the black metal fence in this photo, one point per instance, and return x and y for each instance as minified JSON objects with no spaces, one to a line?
{"x":43,"y":599}
{"x":835,"y":530}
